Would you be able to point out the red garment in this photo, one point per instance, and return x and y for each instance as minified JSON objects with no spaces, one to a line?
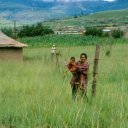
{"x":83,"y":69}
{"x":73,"y":70}
{"x":71,"y":67}
{"x":80,"y":74}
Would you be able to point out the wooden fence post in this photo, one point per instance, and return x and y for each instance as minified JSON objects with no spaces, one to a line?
{"x":95,"y":70}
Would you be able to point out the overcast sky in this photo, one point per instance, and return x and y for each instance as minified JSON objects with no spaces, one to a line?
{"x":72,"y":0}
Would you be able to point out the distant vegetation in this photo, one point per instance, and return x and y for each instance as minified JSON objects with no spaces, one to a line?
{"x":104,"y":19}
{"x":34,"y":30}
{"x":40,"y":30}
{"x":69,"y":40}
{"x":29,"y":30}
{"x":117,"y":33}
{"x":40,"y":34}
{"x":94,"y":31}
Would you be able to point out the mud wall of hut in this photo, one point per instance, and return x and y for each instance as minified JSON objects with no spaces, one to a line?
{"x":11,"y":53}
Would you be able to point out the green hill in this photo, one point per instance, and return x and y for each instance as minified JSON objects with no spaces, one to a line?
{"x":106,"y":18}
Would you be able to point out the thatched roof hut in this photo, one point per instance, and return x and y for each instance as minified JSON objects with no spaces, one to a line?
{"x":10,"y":49}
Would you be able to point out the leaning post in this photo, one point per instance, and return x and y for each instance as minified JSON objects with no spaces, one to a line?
{"x":95,"y":70}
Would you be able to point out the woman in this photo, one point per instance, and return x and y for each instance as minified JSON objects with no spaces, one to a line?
{"x":79,"y":81}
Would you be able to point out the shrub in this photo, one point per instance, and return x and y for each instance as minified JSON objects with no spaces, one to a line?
{"x":117,"y":33}
{"x":34,"y":30}
{"x":94,"y":31}
{"x":106,"y":34}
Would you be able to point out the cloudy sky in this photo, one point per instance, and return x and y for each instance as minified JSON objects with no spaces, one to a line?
{"x":72,"y":0}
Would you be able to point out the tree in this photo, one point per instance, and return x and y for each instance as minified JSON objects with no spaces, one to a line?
{"x":35,"y":30}
{"x":117,"y":33}
{"x":94,"y":31}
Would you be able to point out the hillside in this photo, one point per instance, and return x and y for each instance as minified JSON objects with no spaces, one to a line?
{"x":106,"y":18}
{"x":31,"y":11}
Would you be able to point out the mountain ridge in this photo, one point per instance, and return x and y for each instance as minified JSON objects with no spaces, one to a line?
{"x":34,"y":11}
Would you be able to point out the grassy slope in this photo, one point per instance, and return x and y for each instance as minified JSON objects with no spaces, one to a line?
{"x":34,"y":94}
{"x":110,"y":18}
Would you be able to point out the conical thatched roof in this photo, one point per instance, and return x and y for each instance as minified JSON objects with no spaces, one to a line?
{"x":6,"y":41}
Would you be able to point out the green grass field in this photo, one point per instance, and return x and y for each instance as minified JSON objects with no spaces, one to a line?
{"x":69,"y":40}
{"x":35,"y":94}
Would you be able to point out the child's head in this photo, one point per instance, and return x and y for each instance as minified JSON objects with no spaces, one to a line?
{"x":72,"y":59}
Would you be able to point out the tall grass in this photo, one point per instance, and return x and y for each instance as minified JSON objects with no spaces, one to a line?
{"x":34,"y":94}
{"x":69,"y":40}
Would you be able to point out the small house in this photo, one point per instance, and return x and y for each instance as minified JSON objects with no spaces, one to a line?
{"x":10,"y":49}
{"x":69,"y":30}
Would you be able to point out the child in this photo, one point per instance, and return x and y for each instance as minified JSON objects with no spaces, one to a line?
{"x":75,"y":80}
{"x":71,"y":65}
{"x":73,"y":69}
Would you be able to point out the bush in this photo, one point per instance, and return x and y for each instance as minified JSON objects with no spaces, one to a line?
{"x":34,"y":30}
{"x":28,"y":31}
{"x":117,"y":33}
{"x":94,"y":31}
{"x":106,"y":34}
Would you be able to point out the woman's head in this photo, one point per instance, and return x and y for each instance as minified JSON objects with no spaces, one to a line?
{"x":83,"y":57}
